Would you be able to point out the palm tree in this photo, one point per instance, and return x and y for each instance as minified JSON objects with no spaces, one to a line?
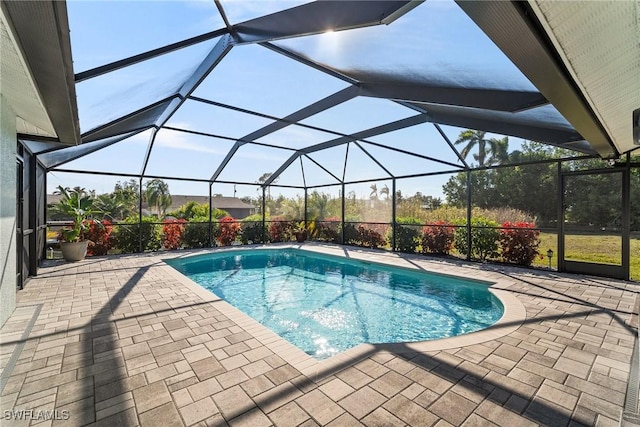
{"x":385,"y":191}
{"x":490,"y":151}
{"x":263,"y":178}
{"x":128,"y":194}
{"x":499,"y":151}
{"x":157,"y":194}
{"x":374,"y":192}
{"x":293,"y":208}
{"x":111,"y":206}
{"x":70,"y":197}
{"x":319,"y":205}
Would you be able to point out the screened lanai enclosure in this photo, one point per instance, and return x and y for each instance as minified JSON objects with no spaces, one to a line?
{"x":442,"y":128}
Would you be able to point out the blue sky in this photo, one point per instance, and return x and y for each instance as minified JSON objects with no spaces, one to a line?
{"x":435,"y":36}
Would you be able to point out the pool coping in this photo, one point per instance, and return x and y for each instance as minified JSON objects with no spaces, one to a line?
{"x":513,"y":317}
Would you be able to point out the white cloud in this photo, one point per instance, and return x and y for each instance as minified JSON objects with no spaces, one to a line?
{"x":296,"y":136}
{"x":253,"y":154}
{"x":181,"y":141}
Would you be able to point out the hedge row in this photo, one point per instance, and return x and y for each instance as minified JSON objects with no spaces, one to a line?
{"x":514,"y":242}
{"x":132,"y":234}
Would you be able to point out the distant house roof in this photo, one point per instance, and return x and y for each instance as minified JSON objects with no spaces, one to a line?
{"x":220,"y":202}
{"x":53,"y":198}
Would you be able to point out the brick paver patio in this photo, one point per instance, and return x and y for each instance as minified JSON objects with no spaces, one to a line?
{"x":125,"y":340}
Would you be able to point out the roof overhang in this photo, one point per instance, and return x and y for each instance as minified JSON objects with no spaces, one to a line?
{"x":40,"y":33}
{"x":582,"y":56}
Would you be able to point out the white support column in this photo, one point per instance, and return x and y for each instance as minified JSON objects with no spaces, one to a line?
{"x":8,"y":143}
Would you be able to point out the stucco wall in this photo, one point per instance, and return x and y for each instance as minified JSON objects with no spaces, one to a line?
{"x":7,"y":210}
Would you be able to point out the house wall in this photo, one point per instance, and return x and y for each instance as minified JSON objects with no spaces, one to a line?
{"x":8,"y":143}
{"x":238,"y":213}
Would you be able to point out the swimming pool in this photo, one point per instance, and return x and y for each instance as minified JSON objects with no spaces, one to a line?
{"x":325,"y":304}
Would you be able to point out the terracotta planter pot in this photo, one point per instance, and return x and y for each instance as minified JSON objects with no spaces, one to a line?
{"x":301,"y":236}
{"x":74,"y":251}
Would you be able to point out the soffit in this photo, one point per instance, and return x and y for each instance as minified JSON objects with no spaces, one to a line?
{"x":18,"y":87}
{"x":41,"y":37}
{"x":599,"y":43}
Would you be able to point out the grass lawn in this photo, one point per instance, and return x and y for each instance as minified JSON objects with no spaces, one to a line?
{"x":601,"y":249}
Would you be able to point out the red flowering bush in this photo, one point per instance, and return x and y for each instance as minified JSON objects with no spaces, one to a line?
{"x":437,"y":238}
{"x":328,"y":229}
{"x":519,"y":242}
{"x":370,"y":238}
{"x":172,"y":233}
{"x":280,"y":229}
{"x":229,"y":229}
{"x":99,"y":236}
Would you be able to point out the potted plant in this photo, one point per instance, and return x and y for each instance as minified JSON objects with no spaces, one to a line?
{"x":300,"y":232}
{"x":76,"y":204}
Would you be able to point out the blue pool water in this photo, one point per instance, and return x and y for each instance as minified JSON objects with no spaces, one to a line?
{"x":325,"y":304}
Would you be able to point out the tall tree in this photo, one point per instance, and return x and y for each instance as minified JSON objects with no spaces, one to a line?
{"x":511,"y":187}
{"x":293,"y":208}
{"x":374,"y":192}
{"x":157,"y":195}
{"x":261,"y":180}
{"x":499,"y":151}
{"x":490,"y":151}
{"x":126,"y":193}
{"x":318,"y":205}
{"x":385,"y":190}
{"x":110,"y":206}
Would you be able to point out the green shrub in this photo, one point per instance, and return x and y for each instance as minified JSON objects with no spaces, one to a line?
{"x":192,"y":209}
{"x":328,"y":230}
{"x":253,"y":218}
{"x":350,"y":234}
{"x":519,"y":242}
{"x":484,"y":239}
{"x":252,"y":232}
{"x":407,"y":236}
{"x":130,"y":233}
{"x":196,"y":235}
{"x":437,"y":238}
{"x":368,"y":235}
{"x":370,"y":238}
